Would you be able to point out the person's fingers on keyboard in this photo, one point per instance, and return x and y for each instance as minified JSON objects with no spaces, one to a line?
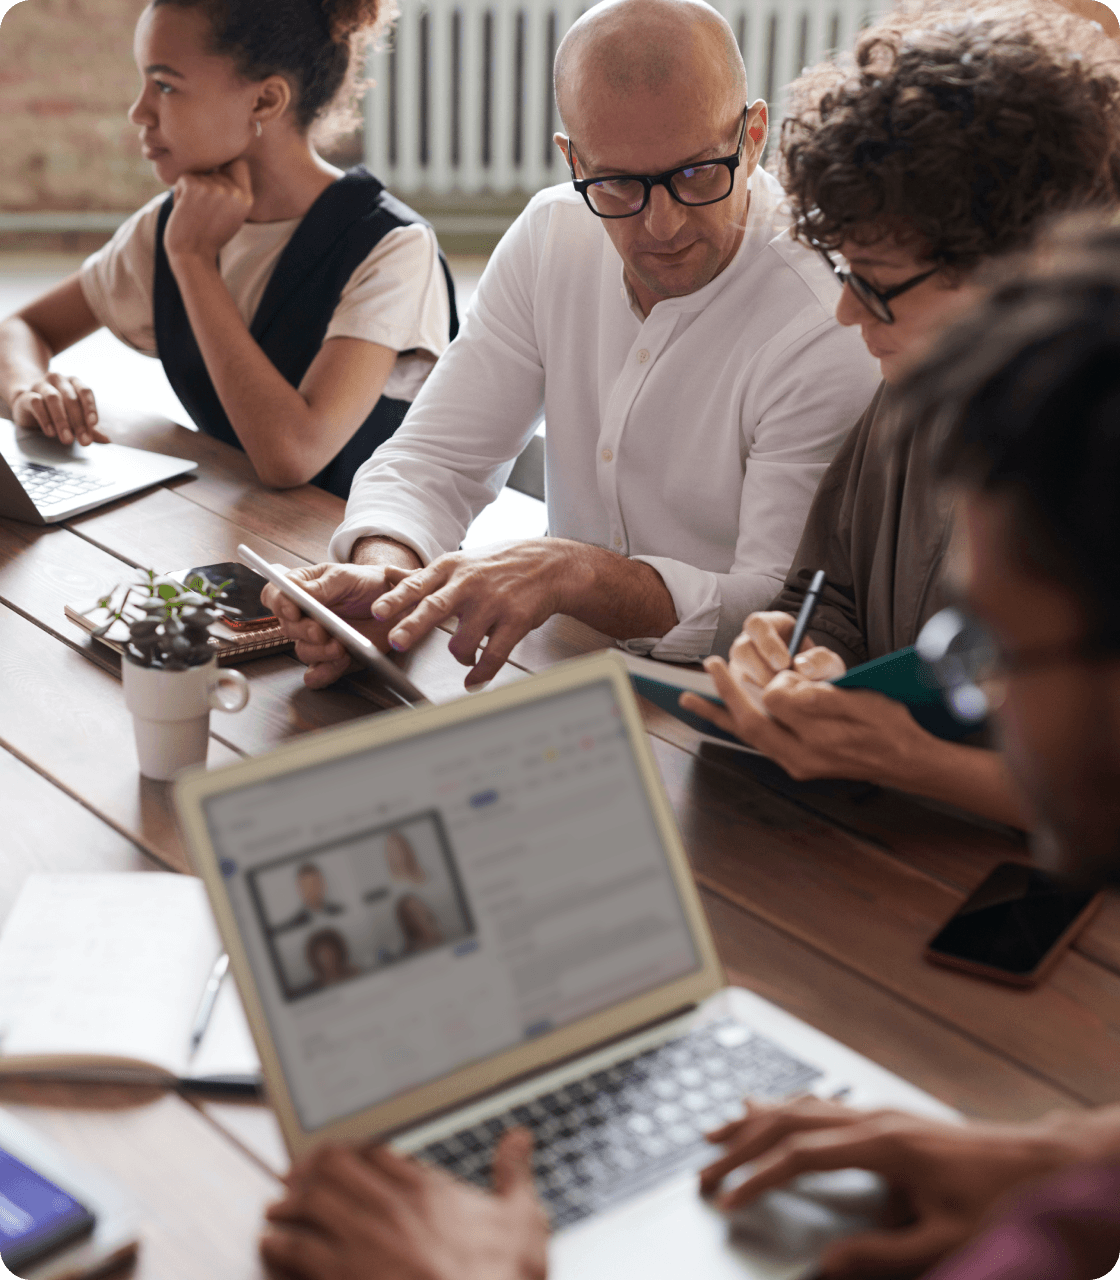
{"x":765,"y":1127}
{"x":88,"y":402}
{"x":81,"y":410}
{"x":46,"y":409}
{"x":513,"y":1168}
{"x":55,"y":401}
{"x":28,"y":410}
{"x":400,"y":1169}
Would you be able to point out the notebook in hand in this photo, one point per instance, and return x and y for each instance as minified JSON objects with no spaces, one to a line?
{"x":231,"y":646}
{"x":903,"y":675}
{"x":662,"y":683}
{"x":101,"y":977}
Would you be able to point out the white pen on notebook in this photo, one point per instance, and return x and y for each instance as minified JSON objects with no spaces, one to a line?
{"x":209,"y":1000}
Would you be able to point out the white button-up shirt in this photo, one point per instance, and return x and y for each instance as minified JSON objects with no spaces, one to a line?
{"x":692,"y":439}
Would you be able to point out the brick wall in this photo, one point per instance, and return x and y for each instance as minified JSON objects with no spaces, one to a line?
{"x":66,"y":81}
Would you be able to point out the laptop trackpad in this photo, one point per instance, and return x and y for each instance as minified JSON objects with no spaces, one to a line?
{"x":672,"y":1232}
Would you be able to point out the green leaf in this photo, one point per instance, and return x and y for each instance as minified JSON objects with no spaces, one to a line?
{"x":167,"y":590}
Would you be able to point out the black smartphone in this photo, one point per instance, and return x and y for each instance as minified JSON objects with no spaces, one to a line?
{"x":242,"y":594}
{"x":1014,"y":926}
{"x":36,"y":1217}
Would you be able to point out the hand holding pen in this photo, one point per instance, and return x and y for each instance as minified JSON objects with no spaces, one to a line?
{"x":805,"y":617}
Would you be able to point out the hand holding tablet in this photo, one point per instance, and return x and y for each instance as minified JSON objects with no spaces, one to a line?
{"x":357,"y":645}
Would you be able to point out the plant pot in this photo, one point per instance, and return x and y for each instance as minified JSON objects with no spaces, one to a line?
{"x":171,"y":712}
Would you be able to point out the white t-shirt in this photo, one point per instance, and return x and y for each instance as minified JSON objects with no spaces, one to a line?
{"x":693,"y":438}
{"x":397,"y":297}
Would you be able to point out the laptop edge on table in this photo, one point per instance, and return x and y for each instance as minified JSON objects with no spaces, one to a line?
{"x":43,"y":481}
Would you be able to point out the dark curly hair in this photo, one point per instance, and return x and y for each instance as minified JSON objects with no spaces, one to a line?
{"x":1023,"y":398}
{"x":959,"y":129}
{"x":317,"y":45}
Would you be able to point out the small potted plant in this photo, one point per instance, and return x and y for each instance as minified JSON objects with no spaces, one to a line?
{"x":170,"y":671}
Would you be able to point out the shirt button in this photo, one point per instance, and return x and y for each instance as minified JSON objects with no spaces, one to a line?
{"x":618,"y":542}
{"x":607,"y":455}
{"x":643,"y":356}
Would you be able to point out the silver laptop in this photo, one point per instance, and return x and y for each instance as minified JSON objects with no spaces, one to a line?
{"x":43,"y":481}
{"x":450,"y":920}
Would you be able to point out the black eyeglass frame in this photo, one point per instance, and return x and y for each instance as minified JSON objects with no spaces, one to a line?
{"x":649,"y":181}
{"x":877,"y":301}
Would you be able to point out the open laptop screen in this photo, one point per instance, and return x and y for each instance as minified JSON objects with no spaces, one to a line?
{"x":419,"y":906}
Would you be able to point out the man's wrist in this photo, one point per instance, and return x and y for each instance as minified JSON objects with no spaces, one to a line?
{"x":381,"y":552}
{"x":572,"y":572}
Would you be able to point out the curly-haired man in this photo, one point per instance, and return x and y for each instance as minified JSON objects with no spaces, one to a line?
{"x":948,"y":142}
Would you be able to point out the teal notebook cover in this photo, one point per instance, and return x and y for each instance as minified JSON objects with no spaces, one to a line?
{"x":667,"y":697}
{"x":906,"y":677}
{"x":902,"y":675}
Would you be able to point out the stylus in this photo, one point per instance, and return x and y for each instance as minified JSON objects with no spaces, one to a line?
{"x":209,"y":1000}
{"x":805,"y":617}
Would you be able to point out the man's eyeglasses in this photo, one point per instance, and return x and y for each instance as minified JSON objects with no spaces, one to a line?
{"x":627,"y":194}
{"x":875,"y":300}
{"x":971,"y":667}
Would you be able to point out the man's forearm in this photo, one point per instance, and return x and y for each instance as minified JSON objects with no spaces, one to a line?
{"x":623,"y":598}
{"x":384,"y":552}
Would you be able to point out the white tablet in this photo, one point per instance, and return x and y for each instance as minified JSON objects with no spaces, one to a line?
{"x":365,"y":651}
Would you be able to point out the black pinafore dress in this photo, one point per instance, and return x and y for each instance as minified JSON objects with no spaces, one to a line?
{"x":336,"y":235}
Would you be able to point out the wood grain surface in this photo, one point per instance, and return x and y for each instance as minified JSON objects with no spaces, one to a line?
{"x":820,"y":895}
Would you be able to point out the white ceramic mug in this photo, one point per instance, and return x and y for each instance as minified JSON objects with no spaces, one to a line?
{"x":171,"y":712}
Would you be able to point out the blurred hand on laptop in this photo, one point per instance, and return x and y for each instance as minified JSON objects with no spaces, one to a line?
{"x":382,"y":1216}
{"x":59,"y":406}
{"x":944,"y":1179}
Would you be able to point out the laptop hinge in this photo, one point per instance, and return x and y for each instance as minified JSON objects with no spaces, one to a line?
{"x":472,"y":1100}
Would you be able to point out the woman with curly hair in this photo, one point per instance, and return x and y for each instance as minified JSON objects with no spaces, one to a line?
{"x":296,"y":309}
{"x":947,"y":143}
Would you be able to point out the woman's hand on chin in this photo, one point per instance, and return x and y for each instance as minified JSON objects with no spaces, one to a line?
{"x":210,"y":209}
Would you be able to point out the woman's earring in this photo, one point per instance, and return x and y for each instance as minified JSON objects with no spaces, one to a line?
{"x":260,"y":131}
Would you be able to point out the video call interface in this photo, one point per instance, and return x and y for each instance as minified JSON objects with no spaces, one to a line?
{"x":431,"y":903}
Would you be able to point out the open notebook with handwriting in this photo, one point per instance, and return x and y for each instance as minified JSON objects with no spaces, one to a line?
{"x":101,"y":977}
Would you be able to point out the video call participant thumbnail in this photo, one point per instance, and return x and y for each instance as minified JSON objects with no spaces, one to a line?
{"x":297,"y":310}
{"x":953,"y":139}
{"x":312,"y":889}
{"x":1029,"y":390}
{"x":694,"y":382}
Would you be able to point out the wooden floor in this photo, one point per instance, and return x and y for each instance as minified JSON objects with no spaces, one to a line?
{"x":821,"y":895}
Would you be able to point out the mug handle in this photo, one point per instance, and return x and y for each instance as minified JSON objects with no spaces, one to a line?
{"x":232,"y":683}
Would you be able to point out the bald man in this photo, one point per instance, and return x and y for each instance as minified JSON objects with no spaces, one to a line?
{"x":683,"y":348}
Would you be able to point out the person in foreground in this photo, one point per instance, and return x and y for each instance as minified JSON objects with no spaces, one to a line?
{"x":694,"y":381}
{"x":1028,"y":392}
{"x":954,"y":138}
{"x":296,"y":310}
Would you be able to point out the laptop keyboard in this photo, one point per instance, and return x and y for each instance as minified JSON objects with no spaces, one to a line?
{"x":608,"y":1136}
{"x":47,"y":485}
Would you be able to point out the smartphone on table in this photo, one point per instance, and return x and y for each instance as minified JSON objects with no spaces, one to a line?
{"x":1015,"y":926}
{"x":36,"y":1217}
{"x":242,"y":594}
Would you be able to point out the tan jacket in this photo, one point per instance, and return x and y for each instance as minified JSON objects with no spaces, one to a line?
{"x":879,"y":527}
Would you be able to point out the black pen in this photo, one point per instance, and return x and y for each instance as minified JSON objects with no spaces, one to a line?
{"x":805,"y":617}
{"x":209,"y":999}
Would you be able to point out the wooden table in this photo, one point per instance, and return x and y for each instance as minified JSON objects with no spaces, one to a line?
{"x":821,"y":895}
